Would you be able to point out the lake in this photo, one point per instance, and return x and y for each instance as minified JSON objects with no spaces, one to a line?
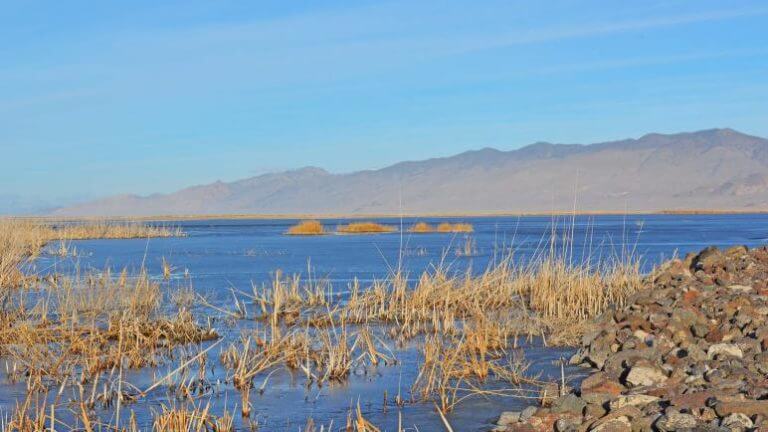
{"x":220,"y":258}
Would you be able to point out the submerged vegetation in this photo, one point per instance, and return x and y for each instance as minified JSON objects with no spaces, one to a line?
{"x":81,"y":332}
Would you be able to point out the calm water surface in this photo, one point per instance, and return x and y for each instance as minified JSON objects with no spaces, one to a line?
{"x":220,"y":255}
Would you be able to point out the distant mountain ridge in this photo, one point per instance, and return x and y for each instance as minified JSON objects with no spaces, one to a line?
{"x":709,"y":169}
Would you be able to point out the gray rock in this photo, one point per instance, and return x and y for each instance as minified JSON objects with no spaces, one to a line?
{"x":527,"y":413}
{"x":699,"y":330}
{"x":569,"y":403}
{"x":637,"y":400}
{"x":508,"y":417}
{"x":644,"y":375}
{"x":740,"y":288}
{"x":737,"y":422}
{"x":566,"y":425}
{"x":676,"y":421}
{"x":618,"y":424}
{"x":724,"y":349}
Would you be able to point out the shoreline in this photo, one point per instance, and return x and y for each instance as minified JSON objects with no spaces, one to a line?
{"x":687,"y":352}
{"x":354,"y":216}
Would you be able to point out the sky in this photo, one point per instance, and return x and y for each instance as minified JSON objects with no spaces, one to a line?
{"x":100,"y":98}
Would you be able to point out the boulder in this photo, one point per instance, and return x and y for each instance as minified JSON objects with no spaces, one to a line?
{"x":569,"y":403}
{"x":737,"y":422}
{"x":618,"y":424}
{"x":724,"y":349}
{"x":508,"y":417}
{"x":676,"y":421}
{"x":645,"y":375}
{"x":747,"y":407}
{"x":637,"y":400}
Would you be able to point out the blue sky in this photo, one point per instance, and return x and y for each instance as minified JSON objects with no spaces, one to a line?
{"x":98,"y":98}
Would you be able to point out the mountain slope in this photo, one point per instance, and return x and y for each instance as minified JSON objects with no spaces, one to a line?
{"x":711,"y":169}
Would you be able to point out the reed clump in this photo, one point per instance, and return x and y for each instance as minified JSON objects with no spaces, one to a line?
{"x":191,"y":419}
{"x":110,"y":230}
{"x":81,"y":329}
{"x":421,"y":228}
{"x":73,"y":331}
{"x":365,"y":228}
{"x":466,"y":323}
{"x":307,"y":227}
{"x":23,"y":240}
{"x":443,"y":227}
{"x":458,"y":227}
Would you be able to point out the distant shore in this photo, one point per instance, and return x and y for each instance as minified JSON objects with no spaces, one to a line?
{"x":292,"y":216}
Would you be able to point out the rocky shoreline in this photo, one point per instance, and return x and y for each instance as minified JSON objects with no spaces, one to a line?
{"x":688,"y":352}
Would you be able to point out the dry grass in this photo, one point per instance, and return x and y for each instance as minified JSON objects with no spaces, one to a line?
{"x":191,"y":419}
{"x":459,"y":227}
{"x":421,"y":228}
{"x":443,"y":227}
{"x":465,"y":324}
{"x":23,"y":240}
{"x":307,"y":227}
{"x":82,"y":329}
{"x":109,"y":230}
{"x":365,"y":228}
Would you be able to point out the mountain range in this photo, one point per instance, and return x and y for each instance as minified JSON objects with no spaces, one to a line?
{"x":715,"y":169}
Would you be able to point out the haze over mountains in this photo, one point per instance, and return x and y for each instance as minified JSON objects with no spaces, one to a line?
{"x":717,"y":169}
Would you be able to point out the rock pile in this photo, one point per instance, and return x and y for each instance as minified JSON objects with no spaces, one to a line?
{"x":689,"y":352}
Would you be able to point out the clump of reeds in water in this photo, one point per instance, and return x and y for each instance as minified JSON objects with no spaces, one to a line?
{"x":307,"y":227}
{"x":79,"y":328}
{"x":23,"y":240}
{"x":110,"y":230}
{"x":465,"y":324}
{"x":365,"y":228}
{"x":191,"y":419}
{"x":421,"y":228}
{"x":458,"y":227}
{"x":444,"y":227}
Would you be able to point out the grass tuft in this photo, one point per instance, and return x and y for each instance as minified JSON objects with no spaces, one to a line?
{"x":421,"y":228}
{"x":307,"y":227}
{"x":365,"y":228}
{"x":459,"y":227}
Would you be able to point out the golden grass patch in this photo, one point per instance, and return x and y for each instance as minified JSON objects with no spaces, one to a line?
{"x":421,"y":228}
{"x":459,"y":227}
{"x":307,"y":227}
{"x":365,"y":228}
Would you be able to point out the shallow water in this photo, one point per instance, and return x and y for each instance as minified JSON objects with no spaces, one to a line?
{"x":219,"y":256}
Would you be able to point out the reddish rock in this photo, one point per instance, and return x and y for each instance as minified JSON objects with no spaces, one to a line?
{"x":600,"y":382}
{"x":692,"y":400}
{"x":690,"y":296}
{"x":748,"y":407}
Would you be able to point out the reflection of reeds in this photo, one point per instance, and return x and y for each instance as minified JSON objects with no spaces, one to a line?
{"x":365,"y":228}
{"x":307,"y":227}
{"x":468,"y":248}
